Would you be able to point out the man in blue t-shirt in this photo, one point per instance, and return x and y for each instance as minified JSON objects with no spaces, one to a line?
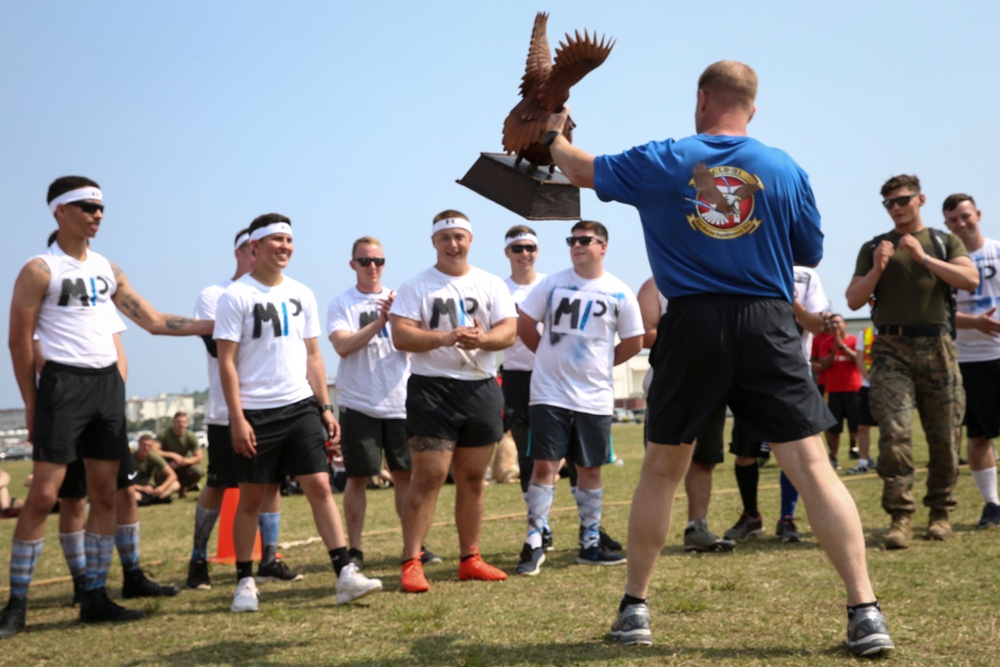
{"x":725,"y":219}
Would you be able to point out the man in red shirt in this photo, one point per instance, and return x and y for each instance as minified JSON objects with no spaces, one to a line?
{"x":838,"y":360}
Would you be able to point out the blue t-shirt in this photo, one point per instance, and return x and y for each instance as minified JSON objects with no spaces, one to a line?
{"x":744,"y":239}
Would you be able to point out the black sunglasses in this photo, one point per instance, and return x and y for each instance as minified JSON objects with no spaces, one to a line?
{"x":88,"y":207}
{"x":368,"y":261}
{"x":518,"y":249}
{"x":898,"y":201}
{"x":582,"y":240}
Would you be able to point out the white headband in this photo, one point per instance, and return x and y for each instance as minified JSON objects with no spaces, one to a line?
{"x":87,"y":192}
{"x":523,"y":236}
{"x":451,"y":223}
{"x":273,"y":228}
{"x":241,"y":239}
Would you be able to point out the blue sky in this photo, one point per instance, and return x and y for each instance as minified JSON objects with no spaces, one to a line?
{"x":356,"y":118}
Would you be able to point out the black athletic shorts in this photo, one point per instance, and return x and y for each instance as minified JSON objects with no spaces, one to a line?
{"x":864,"y":408}
{"x":363,"y":439}
{"x":843,"y":405}
{"x":708,"y":447}
{"x":741,"y":445}
{"x":75,"y":483}
{"x":291,"y":440}
{"x":79,"y":413}
{"x":981,"y":380}
{"x":222,"y":466}
{"x":740,"y":351}
{"x":557,"y":433}
{"x":467,"y":412}
{"x":516,"y":392}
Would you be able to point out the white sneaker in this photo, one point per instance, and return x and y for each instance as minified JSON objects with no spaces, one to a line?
{"x":246,"y":595}
{"x":351,"y":584}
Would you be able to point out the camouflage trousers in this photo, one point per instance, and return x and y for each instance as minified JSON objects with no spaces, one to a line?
{"x":921,"y":371}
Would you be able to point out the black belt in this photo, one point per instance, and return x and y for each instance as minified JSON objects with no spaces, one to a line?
{"x":903,"y":330}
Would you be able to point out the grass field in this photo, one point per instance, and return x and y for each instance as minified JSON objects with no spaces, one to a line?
{"x":766,"y":603}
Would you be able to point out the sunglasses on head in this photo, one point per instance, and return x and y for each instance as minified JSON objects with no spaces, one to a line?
{"x":582,"y":240}
{"x":88,"y":207}
{"x":898,"y":201}
{"x":518,"y":249}
{"x":368,"y":261}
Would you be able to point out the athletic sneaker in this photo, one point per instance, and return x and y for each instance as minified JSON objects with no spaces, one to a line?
{"x":12,"y":617}
{"x":787,"y":531}
{"x":859,"y":468}
{"x":854,"y":453}
{"x":352,"y":585}
{"x":699,"y":538}
{"x":413,"y":579}
{"x":356,"y":556}
{"x":531,"y":560}
{"x":747,"y":526}
{"x":604,"y":541}
{"x":867,"y":632}
{"x":97,"y":607}
{"x":137,"y":585}
{"x":276,"y":570}
{"x":834,"y":462}
{"x":991,"y":516}
{"x":198,"y":575}
{"x":474,"y":567}
{"x":598,"y":556}
{"x":548,"y":543}
{"x":246,"y":596}
{"x":632,"y":626}
{"x":428,"y":557}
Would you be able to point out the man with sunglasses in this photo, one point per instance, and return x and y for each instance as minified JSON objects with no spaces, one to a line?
{"x":453,"y":318}
{"x":371,"y":389}
{"x":726,"y":218}
{"x":582,"y":309}
{"x":77,"y":408}
{"x":911,"y":272}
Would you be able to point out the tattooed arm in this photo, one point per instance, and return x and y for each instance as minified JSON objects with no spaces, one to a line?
{"x":142,"y":313}
{"x":29,"y":290}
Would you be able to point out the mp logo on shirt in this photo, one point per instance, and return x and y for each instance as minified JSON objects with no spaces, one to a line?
{"x":458,"y":312}
{"x":367,"y":317}
{"x":582,"y":313}
{"x":86,"y":292}
{"x":269,"y":312}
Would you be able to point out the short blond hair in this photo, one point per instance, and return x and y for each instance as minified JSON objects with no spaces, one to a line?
{"x":364,"y":240}
{"x":732,"y":80}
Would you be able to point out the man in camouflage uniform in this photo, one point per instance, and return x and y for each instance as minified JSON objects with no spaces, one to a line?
{"x":911,"y":271}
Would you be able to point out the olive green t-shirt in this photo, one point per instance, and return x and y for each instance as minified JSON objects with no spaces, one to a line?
{"x":151,"y":470}
{"x":908,"y":293}
{"x":185,"y":445}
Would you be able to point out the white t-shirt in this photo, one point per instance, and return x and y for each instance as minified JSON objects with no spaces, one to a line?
{"x":975,"y":345}
{"x":439,"y":302}
{"x":859,"y":347}
{"x":77,"y":318}
{"x":517,"y":357}
{"x":575,"y":357}
{"x":813,"y":298}
{"x":271,"y":325}
{"x":373,"y":379}
{"x":216,"y":411}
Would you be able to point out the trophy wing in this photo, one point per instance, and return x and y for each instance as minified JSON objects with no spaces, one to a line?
{"x":526,"y":121}
{"x":536,"y":70}
{"x":574,"y":58}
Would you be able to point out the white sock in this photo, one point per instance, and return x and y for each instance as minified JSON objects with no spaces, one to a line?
{"x":986,"y":481}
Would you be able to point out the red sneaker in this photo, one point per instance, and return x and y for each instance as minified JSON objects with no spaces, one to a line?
{"x":475,"y":567}
{"x":413,"y":579}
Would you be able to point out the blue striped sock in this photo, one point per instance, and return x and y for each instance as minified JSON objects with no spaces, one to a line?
{"x":23,"y":558}
{"x":127,"y":541}
{"x":99,"y":551}
{"x":73,"y":550}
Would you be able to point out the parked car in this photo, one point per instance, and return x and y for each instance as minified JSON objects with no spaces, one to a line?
{"x":18,"y":452}
{"x":622,"y":415}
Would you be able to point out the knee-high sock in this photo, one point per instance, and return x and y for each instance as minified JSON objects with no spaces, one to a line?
{"x":789,"y":497}
{"x":588,"y":504}
{"x":270,"y":525}
{"x":204,"y":523}
{"x":99,"y":551}
{"x":23,"y":559}
{"x":127,"y":541}
{"x":539,"y":505}
{"x":75,"y":553}
{"x":747,"y":478}
{"x":986,"y":482}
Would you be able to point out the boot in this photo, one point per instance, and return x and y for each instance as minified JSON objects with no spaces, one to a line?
{"x":97,"y":607}
{"x":939,"y":527}
{"x":900,"y":532}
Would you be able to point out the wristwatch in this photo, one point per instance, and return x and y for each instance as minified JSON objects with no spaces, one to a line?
{"x":326,"y":407}
{"x":549,"y":138}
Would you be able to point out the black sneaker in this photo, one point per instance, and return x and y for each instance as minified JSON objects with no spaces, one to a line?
{"x":531,"y":561}
{"x":604,"y":541}
{"x":12,"y":617}
{"x":78,"y":583}
{"x":854,"y":453}
{"x":598,"y":556}
{"x":97,"y":607}
{"x":198,"y":575}
{"x":867,"y":633}
{"x":428,"y":557}
{"x":787,"y":530}
{"x":548,"y":544}
{"x":138,"y":585}
{"x":747,"y":526}
{"x":276,"y":570}
{"x":991,"y":516}
{"x":356,"y":556}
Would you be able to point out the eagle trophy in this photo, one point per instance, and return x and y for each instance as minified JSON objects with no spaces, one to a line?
{"x":545,"y":89}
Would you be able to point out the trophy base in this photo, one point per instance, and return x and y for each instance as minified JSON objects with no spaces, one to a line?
{"x":535,"y":195}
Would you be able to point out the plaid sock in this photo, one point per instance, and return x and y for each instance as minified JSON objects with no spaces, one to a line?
{"x":99,"y":551}
{"x":23,"y":558}
{"x":75,"y":553}
{"x":127,"y":541}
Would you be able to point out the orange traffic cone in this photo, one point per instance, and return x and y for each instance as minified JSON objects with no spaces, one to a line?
{"x":225,"y":552}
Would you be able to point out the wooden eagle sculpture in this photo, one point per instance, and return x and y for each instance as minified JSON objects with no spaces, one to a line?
{"x":545,"y":89}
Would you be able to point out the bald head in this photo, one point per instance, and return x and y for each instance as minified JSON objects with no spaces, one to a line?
{"x":732,"y":83}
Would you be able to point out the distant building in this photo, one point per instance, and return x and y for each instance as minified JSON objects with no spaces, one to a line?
{"x":163,"y":407}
